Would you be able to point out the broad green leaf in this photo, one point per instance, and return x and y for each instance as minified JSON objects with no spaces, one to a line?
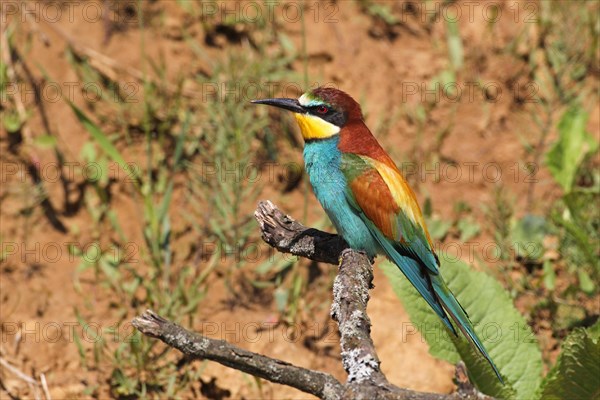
{"x":502,"y":329}
{"x":573,"y":144}
{"x":576,"y":374}
{"x":480,"y":372}
{"x":581,"y":222}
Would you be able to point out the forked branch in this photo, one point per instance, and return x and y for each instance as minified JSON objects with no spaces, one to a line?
{"x":349,"y":309}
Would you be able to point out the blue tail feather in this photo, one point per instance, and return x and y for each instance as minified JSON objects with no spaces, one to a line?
{"x":461,"y":318}
{"x":436,"y":294}
{"x":416,"y":275}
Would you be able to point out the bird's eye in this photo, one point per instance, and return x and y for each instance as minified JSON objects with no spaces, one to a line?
{"x":322,"y":109}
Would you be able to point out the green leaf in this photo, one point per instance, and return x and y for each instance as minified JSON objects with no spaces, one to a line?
{"x":576,"y":374}
{"x":446,"y":81}
{"x":12,"y":122}
{"x":382,"y":11}
{"x":286,"y":43}
{"x":45,"y":141}
{"x":420,"y":113}
{"x":438,"y":228}
{"x":3,"y":78}
{"x":427,"y":208}
{"x":502,"y":329}
{"x":549,"y":275}
{"x":528,"y":234}
{"x":469,"y":228}
{"x":262,"y":284}
{"x":88,"y":152}
{"x":585,"y":282}
{"x":581,"y":223}
{"x":480,"y":372}
{"x":100,"y":138}
{"x":281,"y":296}
{"x":455,"y":47}
{"x":573,"y":144}
{"x":274,"y":265}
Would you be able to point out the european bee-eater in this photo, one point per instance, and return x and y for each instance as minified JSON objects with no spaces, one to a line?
{"x":368,"y":200}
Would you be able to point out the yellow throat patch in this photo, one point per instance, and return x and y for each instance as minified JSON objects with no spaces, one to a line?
{"x":313,"y":127}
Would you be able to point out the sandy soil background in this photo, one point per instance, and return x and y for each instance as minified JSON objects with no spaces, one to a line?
{"x":387,"y":67}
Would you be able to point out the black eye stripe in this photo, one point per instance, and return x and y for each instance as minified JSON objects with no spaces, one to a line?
{"x":337,"y":118}
{"x":332,"y":115}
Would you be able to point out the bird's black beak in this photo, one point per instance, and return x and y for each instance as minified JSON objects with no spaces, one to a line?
{"x":287,"y":104}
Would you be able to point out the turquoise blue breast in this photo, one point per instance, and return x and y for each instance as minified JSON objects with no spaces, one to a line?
{"x":322,"y":162}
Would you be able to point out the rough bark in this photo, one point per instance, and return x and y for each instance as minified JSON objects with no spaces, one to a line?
{"x":197,"y":346}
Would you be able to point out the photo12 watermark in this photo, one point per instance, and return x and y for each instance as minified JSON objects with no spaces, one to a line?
{"x":128,"y":12}
{"x":132,"y":91}
{"x":467,"y":92}
{"x":69,"y":91}
{"x":251,"y":252}
{"x":70,"y":171}
{"x":270,"y":172}
{"x":56,"y":252}
{"x":91,"y":332}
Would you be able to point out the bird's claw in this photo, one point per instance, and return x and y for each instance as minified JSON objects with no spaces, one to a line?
{"x":362,"y":252}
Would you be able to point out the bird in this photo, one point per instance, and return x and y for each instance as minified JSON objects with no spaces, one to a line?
{"x":368,"y":200}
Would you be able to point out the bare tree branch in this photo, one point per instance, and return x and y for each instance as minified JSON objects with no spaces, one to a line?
{"x":349,"y":309}
{"x":194,"y":345}
{"x":288,"y":236}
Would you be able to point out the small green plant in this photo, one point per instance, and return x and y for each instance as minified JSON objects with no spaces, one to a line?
{"x":564,"y":238}
{"x":462,"y":225}
{"x":238,"y":157}
{"x":228,"y":175}
{"x":575,"y":215}
{"x":379,"y":10}
{"x":137,"y":275}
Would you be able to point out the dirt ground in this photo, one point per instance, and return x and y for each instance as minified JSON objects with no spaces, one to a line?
{"x":385,"y":68}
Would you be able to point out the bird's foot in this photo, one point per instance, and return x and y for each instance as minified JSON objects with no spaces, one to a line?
{"x":362,"y":252}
